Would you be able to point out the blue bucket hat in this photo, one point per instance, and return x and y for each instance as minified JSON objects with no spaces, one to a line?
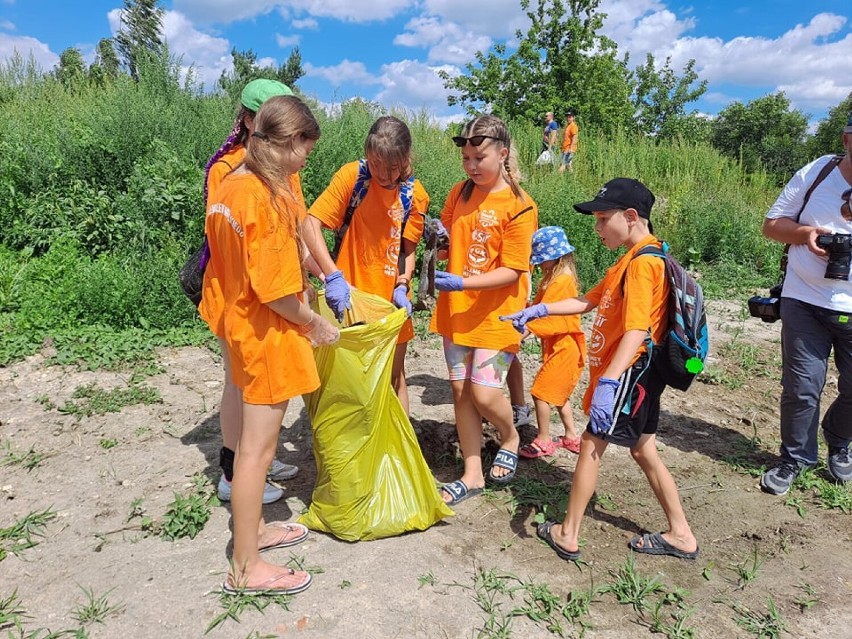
{"x":549,"y":243}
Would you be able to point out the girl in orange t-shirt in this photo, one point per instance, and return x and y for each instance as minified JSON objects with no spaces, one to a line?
{"x":369,"y":257}
{"x":229,"y":156}
{"x":563,"y":343}
{"x":256,"y":268}
{"x":490,"y":221}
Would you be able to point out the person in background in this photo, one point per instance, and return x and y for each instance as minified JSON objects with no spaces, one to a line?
{"x":369,"y":257}
{"x":226,"y":159}
{"x":563,"y":343}
{"x":490,"y":221}
{"x":548,"y":142}
{"x":569,"y":143}
{"x":816,"y":312}
{"x":256,"y":267}
{"x":623,"y":397}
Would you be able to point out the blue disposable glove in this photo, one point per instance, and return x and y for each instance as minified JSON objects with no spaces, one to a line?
{"x":337,"y":294}
{"x":400,"y":298}
{"x":603,"y":399}
{"x":435,"y":225}
{"x":519,"y":320}
{"x":448,"y":282}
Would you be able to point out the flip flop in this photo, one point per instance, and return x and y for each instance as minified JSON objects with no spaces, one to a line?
{"x":656,"y":544}
{"x":458,"y":492}
{"x":538,"y":448}
{"x":302,"y":534}
{"x":268,"y":587}
{"x":543,"y":533}
{"x":504,"y":459}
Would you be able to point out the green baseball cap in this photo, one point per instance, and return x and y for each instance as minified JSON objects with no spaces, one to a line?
{"x":260,"y":90}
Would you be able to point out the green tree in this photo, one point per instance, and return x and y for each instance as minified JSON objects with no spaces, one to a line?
{"x":561,"y":62}
{"x":141,"y":26}
{"x":106,"y":64}
{"x":71,"y":69}
{"x":764,"y":133}
{"x":660,"y":96}
{"x":246,"y":69}
{"x":827,"y":138}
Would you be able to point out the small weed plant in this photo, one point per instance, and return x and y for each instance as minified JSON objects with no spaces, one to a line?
{"x":28,"y":460}
{"x":631,"y":587}
{"x":95,"y":609}
{"x":187,"y":514}
{"x":768,"y":625}
{"x":23,"y":533}
{"x":91,"y":400}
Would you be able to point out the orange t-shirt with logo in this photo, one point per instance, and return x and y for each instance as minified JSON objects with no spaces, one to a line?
{"x":569,"y":138}
{"x":369,"y":254}
{"x":633,"y":295}
{"x":488,"y":231}
{"x":254,"y":260}
{"x":210,"y":295}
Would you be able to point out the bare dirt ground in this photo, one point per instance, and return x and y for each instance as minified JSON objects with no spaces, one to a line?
{"x":453,"y":580}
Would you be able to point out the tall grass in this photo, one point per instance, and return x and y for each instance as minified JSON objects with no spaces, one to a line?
{"x":102,"y":195}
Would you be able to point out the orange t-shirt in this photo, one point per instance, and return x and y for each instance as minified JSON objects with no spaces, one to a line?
{"x":559,"y":332}
{"x":254,"y":259}
{"x":569,"y":138}
{"x":210,"y":295}
{"x":633,"y":295}
{"x":369,"y":254}
{"x":488,"y":231}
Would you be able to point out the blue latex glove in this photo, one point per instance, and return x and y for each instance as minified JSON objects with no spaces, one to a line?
{"x":400,"y":298}
{"x":448,"y":282}
{"x":519,"y":320}
{"x":439,"y":229}
{"x":337,"y":294}
{"x":600,"y":413}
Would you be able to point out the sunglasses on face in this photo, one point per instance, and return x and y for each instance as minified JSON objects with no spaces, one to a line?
{"x":476,"y":140}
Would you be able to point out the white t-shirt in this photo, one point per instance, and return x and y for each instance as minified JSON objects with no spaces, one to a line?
{"x":805,"y":279}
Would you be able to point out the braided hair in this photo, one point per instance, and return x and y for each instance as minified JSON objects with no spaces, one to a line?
{"x":237,"y":137}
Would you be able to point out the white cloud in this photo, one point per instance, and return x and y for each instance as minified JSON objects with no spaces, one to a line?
{"x":26,"y":47}
{"x":497,"y":18}
{"x":307,"y":23}
{"x":345,"y":72}
{"x":227,"y":11}
{"x":6,"y":25}
{"x":412,"y":84}
{"x":223,"y":11}
{"x":446,"y":42}
{"x":287,"y":41}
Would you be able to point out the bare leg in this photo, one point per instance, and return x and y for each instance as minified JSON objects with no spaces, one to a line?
{"x":542,"y":416}
{"x":255,"y":451}
{"x":567,"y":417}
{"x":492,"y":404}
{"x":398,"y":376}
{"x":567,"y":535}
{"x":515,"y":382}
{"x":469,"y":428}
{"x":662,"y":483}
{"x":230,"y":410}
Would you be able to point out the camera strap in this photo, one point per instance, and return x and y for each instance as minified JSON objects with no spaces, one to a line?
{"x":828,"y":168}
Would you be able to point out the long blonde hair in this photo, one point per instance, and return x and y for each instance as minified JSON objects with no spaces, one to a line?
{"x":564,"y":264}
{"x":494,"y":127}
{"x":281,"y":122}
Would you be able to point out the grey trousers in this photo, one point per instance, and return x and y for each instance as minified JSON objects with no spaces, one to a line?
{"x":808,"y":334}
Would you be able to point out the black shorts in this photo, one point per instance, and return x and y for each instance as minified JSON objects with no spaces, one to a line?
{"x":637,"y":405}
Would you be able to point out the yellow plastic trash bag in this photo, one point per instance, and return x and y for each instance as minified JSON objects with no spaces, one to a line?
{"x":372,"y":479}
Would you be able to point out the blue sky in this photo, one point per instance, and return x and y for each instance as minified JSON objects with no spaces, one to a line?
{"x":389,"y":50}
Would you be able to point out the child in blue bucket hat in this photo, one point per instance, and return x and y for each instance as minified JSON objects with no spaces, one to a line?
{"x":563,"y":343}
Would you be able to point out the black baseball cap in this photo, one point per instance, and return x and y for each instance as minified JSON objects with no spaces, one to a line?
{"x":620,"y":193}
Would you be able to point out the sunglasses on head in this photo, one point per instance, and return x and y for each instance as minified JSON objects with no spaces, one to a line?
{"x":476,"y":140}
{"x":846,"y":208}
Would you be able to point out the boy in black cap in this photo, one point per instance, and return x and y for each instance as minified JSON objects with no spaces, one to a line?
{"x":623,"y":397}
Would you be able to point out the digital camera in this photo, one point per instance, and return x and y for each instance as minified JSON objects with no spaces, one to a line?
{"x":768,"y":309}
{"x":839,"y":248}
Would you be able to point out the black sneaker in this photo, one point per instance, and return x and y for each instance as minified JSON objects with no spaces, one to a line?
{"x":839,"y":463}
{"x":778,"y":479}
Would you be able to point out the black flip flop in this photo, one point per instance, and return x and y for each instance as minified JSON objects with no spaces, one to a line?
{"x":543,"y":532}
{"x":656,"y":544}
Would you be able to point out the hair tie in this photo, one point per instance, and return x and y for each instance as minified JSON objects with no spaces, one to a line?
{"x":262,"y":136}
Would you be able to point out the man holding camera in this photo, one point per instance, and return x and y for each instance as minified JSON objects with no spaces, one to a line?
{"x":816,"y":309}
